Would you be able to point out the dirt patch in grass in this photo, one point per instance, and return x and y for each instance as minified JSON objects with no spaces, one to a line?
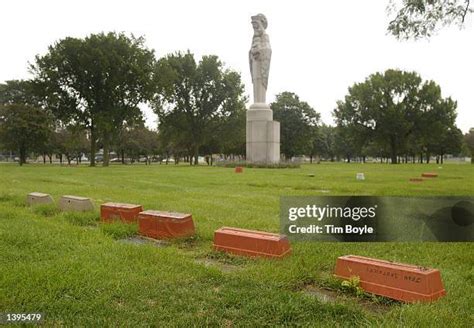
{"x":138,"y":240}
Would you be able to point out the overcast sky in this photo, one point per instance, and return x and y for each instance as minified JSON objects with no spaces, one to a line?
{"x":320,"y":48}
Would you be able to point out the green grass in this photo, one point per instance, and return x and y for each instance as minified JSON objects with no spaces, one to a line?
{"x":73,"y":269}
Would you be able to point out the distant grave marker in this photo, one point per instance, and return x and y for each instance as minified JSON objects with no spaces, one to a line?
{"x":75,"y":203}
{"x":360,"y":176}
{"x":239,"y":169}
{"x":429,"y":175}
{"x":36,"y":198}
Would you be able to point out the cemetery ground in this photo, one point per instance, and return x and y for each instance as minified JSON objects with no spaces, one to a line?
{"x":78,"y":271}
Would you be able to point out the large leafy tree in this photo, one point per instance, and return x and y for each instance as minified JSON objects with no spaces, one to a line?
{"x":388,"y":108}
{"x":194,"y":99}
{"x":24,"y":128}
{"x":421,"y":18}
{"x":298,"y":120}
{"x":97,"y":82}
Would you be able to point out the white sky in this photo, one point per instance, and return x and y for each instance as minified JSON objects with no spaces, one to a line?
{"x":320,"y":48}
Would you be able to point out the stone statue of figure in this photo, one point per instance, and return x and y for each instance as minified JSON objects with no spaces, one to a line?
{"x":259,"y":57}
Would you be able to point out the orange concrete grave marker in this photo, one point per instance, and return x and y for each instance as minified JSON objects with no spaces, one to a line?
{"x":127,"y":213}
{"x":251,"y":243}
{"x":429,"y":175}
{"x":239,"y":169}
{"x":36,"y":198}
{"x":163,"y":225}
{"x":403,"y":282}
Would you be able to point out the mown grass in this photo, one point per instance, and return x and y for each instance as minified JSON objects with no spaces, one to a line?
{"x":71,"y":267}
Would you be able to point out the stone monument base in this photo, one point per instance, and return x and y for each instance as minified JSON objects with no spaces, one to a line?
{"x":263,"y":135}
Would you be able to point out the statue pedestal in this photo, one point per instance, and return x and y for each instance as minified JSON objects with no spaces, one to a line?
{"x":263,"y":135}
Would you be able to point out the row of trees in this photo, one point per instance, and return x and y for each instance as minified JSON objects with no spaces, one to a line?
{"x":400,"y":115}
{"x":89,"y":90}
{"x":97,"y":84}
{"x":392,"y":115}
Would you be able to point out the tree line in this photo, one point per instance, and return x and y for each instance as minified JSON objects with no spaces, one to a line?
{"x":86,"y":95}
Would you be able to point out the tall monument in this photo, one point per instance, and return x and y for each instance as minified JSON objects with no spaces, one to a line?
{"x":263,"y":133}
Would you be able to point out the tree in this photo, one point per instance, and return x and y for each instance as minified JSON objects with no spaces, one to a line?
{"x":469,"y":140}
{"x":72,"y":143}
{"x":391,"y":107}
{"x":193,"y":98}
{"x":97,"y":82}
{"x":324,"y":143}
{"x":422,"y":18}
{"x":297,"y":120}
{"x":450,"y":143}
{"x":141,"y":142}
{"x":24,"y":128}
{"x":18,"y":92}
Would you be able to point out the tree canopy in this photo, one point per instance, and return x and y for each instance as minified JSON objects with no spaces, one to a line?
{"x":297,"y":123}
{"x":194,"y":101}
{"x":97,"y":82}
{"x":421,"y":18}
{"x":24,"y":128}
{"x":397,"y":111}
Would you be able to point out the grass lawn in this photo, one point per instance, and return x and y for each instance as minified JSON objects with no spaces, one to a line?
{"x":78,"y":272}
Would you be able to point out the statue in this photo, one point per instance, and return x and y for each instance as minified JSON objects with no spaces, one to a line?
{"x":262,"y":132}
{"x":259,"y":58}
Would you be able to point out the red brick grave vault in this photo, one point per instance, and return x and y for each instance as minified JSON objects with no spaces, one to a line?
{"x":163,"y":225}
{"x":127,"y":213}
{"x":403,"y":282}
{"x":251,"y":243}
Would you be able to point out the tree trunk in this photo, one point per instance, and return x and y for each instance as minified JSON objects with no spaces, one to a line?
{"x":428,"y":155}
{"x":61,"y":159}
{"x":123,"y":156}
{"x":50,"y":158}
{"x":442,"y":159}
{"x":93,"y":145}
{"x":22,"y":155}
{"x":106,"y":157}
{"x":393,"y":151}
